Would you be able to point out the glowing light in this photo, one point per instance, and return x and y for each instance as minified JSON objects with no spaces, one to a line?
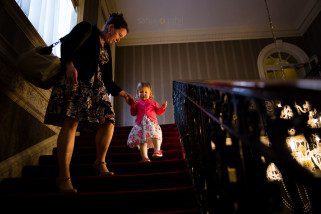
{"x":273,"y":173}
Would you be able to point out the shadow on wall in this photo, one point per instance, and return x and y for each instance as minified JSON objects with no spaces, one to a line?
{"x":18,"y":129}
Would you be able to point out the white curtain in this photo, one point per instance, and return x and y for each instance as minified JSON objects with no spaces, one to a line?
{"x":52,"y":18}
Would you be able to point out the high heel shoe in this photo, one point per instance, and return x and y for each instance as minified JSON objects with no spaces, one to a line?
{"x":102,"y":170}
{"x":64,"y":185}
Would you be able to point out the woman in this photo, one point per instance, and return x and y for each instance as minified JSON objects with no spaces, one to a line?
{"x":81,"y":99}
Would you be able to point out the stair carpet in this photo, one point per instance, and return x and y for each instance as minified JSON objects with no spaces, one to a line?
{"x":161,"y":186}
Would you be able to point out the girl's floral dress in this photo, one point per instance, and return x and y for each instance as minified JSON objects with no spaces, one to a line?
{"x":144,"y":132}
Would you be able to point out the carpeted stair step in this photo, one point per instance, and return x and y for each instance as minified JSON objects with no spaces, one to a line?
{"x":90,"y":148}
{"x":114,"y":157}
{"x":124,"y":134}
{"x":126,"y":131}
{"x":165,"y":127}
{"x":100,"y":184}
{"x":121,"y":141}
{"x":118,"y":168}
{"x":163,"y":186}
{"x":138,"y":201}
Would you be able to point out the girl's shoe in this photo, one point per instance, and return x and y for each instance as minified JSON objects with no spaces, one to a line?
{"x":102,"y":170}
{"x":158,"y":154}
{"x":64,"y":185}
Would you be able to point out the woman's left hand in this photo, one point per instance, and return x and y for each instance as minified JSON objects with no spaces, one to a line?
{"x":72,"y":73}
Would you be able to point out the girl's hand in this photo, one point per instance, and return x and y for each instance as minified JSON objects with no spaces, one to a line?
{"x":164,"y":105}
{"x":72,"y":73}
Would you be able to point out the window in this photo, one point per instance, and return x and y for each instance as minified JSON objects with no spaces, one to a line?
{"x":274,"y":61}
{"x":282,"y":60}
{"x":52,"y":19}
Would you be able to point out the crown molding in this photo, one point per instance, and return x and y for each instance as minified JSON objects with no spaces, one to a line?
{"x":309,"y":14}
{"x":200,"y":36}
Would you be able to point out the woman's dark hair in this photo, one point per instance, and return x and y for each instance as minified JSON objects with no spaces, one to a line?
{"x":117,"y":19}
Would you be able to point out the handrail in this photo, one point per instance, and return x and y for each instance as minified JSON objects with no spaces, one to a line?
{"x":264,"y":89}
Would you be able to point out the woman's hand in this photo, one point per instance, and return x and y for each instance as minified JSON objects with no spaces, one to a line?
{"x":72,"y":74}
{"x":128,"y":98}
{"x":131,"y":101}
{"x":164,"y":105}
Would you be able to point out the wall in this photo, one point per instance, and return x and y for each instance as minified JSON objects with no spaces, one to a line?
{"x":23,"y":136}
{"x":312,"y":38}
{"x":22,"y":105}
{"x":161,"y":64}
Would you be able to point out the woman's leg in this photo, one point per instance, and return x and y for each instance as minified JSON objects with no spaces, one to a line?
{"x":103,"y":138}
{"x":65,"y":147}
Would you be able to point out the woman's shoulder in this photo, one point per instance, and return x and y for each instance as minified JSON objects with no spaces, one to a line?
{"x":84,"y":23}
{"x":85,"y":26}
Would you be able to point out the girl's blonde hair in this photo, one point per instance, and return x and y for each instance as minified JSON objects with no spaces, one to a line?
{"x":147,"y":85}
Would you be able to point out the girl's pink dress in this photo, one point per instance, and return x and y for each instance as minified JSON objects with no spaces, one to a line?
{"x":146,"y":125}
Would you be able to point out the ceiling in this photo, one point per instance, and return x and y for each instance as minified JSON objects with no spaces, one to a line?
{"x":176,"y":21}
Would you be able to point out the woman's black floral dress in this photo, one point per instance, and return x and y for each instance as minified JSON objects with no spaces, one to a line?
{"x":88,"y":101}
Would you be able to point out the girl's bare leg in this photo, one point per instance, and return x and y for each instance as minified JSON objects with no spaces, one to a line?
{"x":157,"y":148}
{"x":143,"y":152}
{"x":157,"y":144}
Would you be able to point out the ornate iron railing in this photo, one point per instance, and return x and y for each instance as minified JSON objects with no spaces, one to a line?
{"x":252,"y":146}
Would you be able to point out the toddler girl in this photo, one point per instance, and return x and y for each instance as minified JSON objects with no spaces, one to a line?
{"x":146,"y":132}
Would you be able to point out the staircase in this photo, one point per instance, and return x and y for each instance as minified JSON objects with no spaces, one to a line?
{"x":162,"y":186}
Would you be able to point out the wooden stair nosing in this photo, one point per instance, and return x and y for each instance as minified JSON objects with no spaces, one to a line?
{"x":98,"y":183}
{"x":90,"y":148}
{"x":120,"y":168}
{"x":170,"y":198}
{"x":111,"y":157}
